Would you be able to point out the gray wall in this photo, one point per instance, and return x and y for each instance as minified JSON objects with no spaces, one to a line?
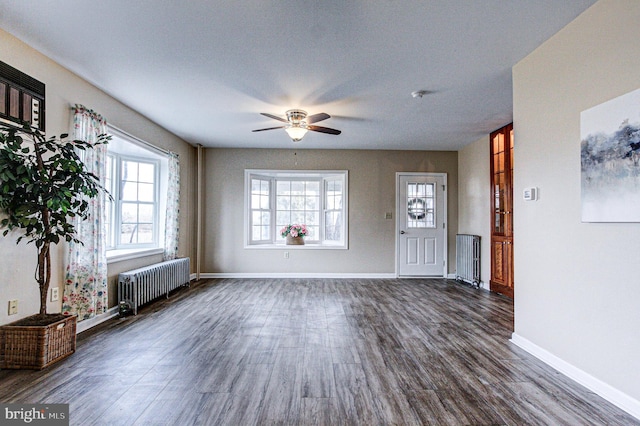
{"x":577,"y":292}
{"x":371,"y":194}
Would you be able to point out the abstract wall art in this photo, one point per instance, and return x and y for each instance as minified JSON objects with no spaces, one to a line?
{"x":610,"y":160}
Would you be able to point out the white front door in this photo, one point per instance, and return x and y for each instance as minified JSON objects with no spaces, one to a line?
{"x":421,"y":224}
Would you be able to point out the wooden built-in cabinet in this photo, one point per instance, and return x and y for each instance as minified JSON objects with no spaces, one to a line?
{"x":502,"y":211}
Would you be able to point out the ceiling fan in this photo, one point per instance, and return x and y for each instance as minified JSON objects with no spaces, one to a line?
{"x":298,"y":123}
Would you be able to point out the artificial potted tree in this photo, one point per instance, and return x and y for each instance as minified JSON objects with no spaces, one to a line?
{"x":43,"y":185}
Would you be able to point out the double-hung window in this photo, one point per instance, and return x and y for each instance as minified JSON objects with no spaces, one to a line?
{"x":134,"y":179}
{"x":317,"y":199}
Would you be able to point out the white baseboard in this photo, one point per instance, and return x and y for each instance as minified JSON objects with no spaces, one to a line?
{"x":608,"y":392}
{"x":98,"y":319}
{"x":294,"y":275}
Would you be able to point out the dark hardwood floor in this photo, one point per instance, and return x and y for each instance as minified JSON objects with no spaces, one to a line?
{"x":312,"y":351}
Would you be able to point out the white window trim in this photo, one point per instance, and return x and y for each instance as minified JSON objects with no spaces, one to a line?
{"x":141,"y":151}
{"x":156,"y":203}
{"x":297,"y":174}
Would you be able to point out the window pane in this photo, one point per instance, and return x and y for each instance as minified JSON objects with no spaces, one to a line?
{"x":129,"y":213}
{"x":264,"y":202}
{"x":145,"y":213}
{"x":146,"y":172}
{"x":313,"y":187}
{"x":266,"y":235}
{"x":255,"y":186}
{"x":333,"y":226}
{"x":283,"y":218}
{"x":297,"y":217}
{"x":260,"y":213}
{"x":128,"y":234}
{"x":297,"y":203}
{"x":312,"y":218}
{"x":129,"y":170}
{"x":145,"y":192}
{"x":265,"y":218}
{"x":256,"y":216}
{"x":129,"y":191}
{"x":313,"y":232}
{"x":283,"y":187}
{"x":312,"y":203}
{"x":256,"y":233}
{"x":261,"y":223}
{"x":145,"y":233}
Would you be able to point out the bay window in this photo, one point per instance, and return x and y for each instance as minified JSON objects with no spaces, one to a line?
{"x":276,"y":198}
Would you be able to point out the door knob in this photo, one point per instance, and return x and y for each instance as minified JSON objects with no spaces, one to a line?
{"x":402,"y":232}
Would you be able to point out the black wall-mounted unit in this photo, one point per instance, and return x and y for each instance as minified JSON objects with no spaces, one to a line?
{"x":21,"y":98}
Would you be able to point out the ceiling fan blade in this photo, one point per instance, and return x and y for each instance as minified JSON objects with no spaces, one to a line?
{"x":275,"y":117}
{"x":269,"y":128}
{"x":324,"y":130}
{"x":317,"y":117}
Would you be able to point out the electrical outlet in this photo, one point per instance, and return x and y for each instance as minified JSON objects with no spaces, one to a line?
{"x":13,"y":307}
{"x":388,"y":215}
{"x":55,"y":294}
{"x":286,"y":254}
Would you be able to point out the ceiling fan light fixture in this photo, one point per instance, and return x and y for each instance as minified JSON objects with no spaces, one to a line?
{"x":296,"y":132}
{"x":298,"y":123}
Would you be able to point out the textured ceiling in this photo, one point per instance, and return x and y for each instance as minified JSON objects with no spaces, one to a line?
{"x":205,"y":69}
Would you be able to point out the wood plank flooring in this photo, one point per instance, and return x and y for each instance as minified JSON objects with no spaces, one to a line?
{"x":312,"y":352}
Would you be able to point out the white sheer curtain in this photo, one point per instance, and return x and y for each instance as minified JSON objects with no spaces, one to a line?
{"x":173,"y":206}
{"x":85,"y":292}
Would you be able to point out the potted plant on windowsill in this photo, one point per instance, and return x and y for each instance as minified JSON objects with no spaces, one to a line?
{"x":43,"y":186}
{"x":294,"y":234}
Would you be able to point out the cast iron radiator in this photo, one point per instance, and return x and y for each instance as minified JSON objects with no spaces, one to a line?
{"x":468,"y":259}
{"x":145,"y":284}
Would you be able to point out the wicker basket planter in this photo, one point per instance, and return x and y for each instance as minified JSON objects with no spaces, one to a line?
{"x":27,"y":346}
{"x":295,"y":241}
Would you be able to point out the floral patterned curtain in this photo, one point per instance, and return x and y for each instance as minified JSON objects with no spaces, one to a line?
{"x":173,"y":206}
{"x":85,"y":291}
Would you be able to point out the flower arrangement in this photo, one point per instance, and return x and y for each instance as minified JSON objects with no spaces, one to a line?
{"x":294,"y":230}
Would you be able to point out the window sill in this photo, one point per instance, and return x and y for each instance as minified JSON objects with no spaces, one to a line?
{"x":114,"y":256}
{"x":305,"y":246}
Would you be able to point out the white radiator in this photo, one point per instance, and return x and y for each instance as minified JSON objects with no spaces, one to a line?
{"x":145,"y":284}
{"x":468,"y":258}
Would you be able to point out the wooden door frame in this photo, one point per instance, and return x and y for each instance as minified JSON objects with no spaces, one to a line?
{"x":507,"y":286}
{"x":443,"y":175}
